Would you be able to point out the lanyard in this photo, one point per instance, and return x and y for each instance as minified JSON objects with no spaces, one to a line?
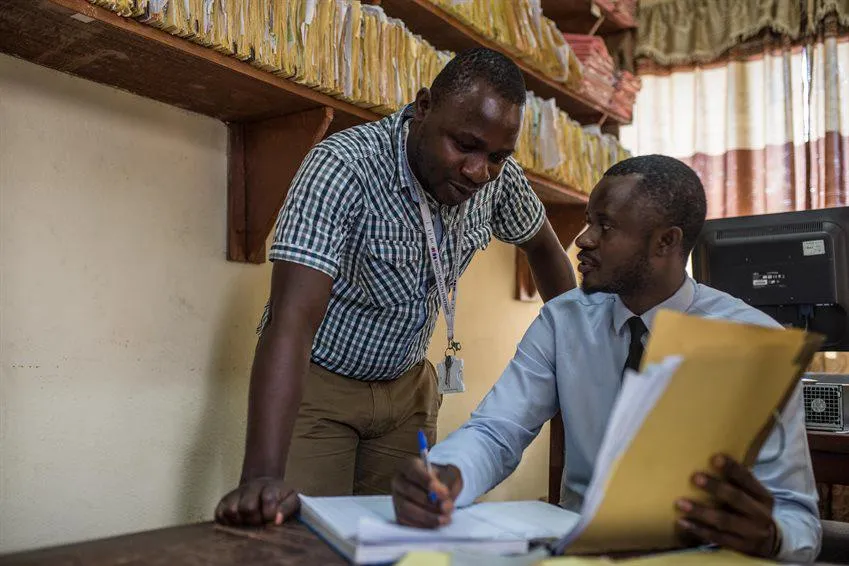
{"x":449,"y":308}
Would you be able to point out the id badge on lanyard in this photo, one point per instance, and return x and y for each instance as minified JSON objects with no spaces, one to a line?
{"x":449,"y":371}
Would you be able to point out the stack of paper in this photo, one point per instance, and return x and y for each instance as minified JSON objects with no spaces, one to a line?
{"x":557,"y":147}
{"x":364,"y":528}
{"x":339,"y":47}
{"x":627,"y":87}
{"x":356,"y":53}
{"x":121,"y":7}
{"x":708,"y":387}
{"x":598,"y":80}
{"x":521,"y":29}
{"x":624,"y":11}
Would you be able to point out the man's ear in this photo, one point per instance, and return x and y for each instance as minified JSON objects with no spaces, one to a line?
{"x":423,"y":104}
{"x":669,"y":241}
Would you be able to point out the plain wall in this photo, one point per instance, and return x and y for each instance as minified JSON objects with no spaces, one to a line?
{"x":126,"y":338}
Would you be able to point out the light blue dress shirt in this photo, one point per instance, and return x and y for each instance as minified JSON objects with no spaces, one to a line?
{"x":571,"y":358}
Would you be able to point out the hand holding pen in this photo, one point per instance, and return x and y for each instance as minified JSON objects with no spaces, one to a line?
{"x":423,"y":494}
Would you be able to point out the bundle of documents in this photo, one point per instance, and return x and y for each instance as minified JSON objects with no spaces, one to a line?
{"x":520,"y":27}
{"x":598,"y":79}
{"x":365,"y":531}
{"x":339,"y":47}
{"x":707,"y":387}
{"x":627,"y":87}
{"x":120,"y":7}
{"x":356,"y":53}
{"x":557,"y":147}
{"x":623,"y":11}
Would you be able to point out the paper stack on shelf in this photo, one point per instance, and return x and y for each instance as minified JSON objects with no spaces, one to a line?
{"x":339,"y":47}
{"x":520,"y":28}
{"x":356,"y":53}
{"x":557,"y":147}
{"x":624,"y":11}
{"x":120,"y":7}
{"x":598,"y":81}
{"x":627,"y":87}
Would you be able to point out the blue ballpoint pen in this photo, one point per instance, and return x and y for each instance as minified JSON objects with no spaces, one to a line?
{"x":423,"y":451}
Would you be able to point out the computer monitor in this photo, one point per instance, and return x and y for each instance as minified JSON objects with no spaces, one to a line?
{"x":794,"y":266}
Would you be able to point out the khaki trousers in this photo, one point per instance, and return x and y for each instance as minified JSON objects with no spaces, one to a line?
{"x":351,"y":436}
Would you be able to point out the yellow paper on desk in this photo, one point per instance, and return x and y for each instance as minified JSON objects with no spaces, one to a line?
{"x":425,"y":558}
{"x":720,"y":399}
{"x":686,"y":558}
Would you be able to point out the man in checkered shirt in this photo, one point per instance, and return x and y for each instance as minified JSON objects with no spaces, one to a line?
{"x":340,"y":383}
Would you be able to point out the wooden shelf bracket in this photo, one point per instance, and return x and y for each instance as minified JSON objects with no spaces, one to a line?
{"x":263,"y":158}
{"x":567,"y":220}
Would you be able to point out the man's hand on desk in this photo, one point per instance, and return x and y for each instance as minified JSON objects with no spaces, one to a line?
{"x":741,"y":520}
{"x":257,"y":502}
{"x":410,"y":489}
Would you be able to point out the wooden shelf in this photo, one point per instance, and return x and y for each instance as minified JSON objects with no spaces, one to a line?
{"x":444,"y":31}
{"x":132,"y":56}
{"x":554,"y":192}
{"x":575,"y":16}
{"x":273,"y":121}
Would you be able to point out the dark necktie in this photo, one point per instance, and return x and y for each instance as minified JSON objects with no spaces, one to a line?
{"x":635,"y":350}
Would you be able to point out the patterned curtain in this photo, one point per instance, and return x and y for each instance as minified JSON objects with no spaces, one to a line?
{"x":764,"y":123}
{"x":765,"y":127}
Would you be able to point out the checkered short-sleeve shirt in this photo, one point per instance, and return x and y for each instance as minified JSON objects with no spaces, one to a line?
{"x":350,"y":214}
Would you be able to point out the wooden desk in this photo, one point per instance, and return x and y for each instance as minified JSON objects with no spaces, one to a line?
{"x":193,"y":545}
{"x":830,"y":457}
{"x":202,"y":544}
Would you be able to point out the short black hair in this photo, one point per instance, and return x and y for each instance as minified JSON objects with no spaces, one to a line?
{"x":483,"y":64}
{"x":673,"y":188}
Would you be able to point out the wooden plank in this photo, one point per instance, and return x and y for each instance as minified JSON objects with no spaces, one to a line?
{"x":829,"y":442}
{"x":446,"y":32}
{"x":574,"y":16}
{"x":206,"y":544}
{"x":237,"y":194}
{"x":272,"y":152}
{"x":144,"y":60}
{"x":554,"y":192}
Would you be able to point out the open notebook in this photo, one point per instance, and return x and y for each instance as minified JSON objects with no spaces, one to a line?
{"x":363,"y":529}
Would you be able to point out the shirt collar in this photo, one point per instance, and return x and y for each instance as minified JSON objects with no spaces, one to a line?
{"x":680,"y":301}
{"x":400,"y":129}
{"x":406,"y":178}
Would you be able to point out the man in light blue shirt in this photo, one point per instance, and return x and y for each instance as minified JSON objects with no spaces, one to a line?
{"x":643,"y":219}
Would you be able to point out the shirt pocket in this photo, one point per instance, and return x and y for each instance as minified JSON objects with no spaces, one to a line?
{"x":392,"y":272}
{"x":475,"y":238}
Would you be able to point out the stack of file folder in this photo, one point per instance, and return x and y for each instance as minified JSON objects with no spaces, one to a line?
{"x":623,"y":11}
{"x":599,"y":71}
{"x":340,"y":47}
{"x":627,"y":87}
{"x":356,"y":53}
{"x":520,"y":27}
{"x":557,"y":147}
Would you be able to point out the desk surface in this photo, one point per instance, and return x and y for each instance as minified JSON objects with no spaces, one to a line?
{"x":201,"y":544}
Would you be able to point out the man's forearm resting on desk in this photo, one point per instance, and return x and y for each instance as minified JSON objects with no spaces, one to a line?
{"x":299,"y":298}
